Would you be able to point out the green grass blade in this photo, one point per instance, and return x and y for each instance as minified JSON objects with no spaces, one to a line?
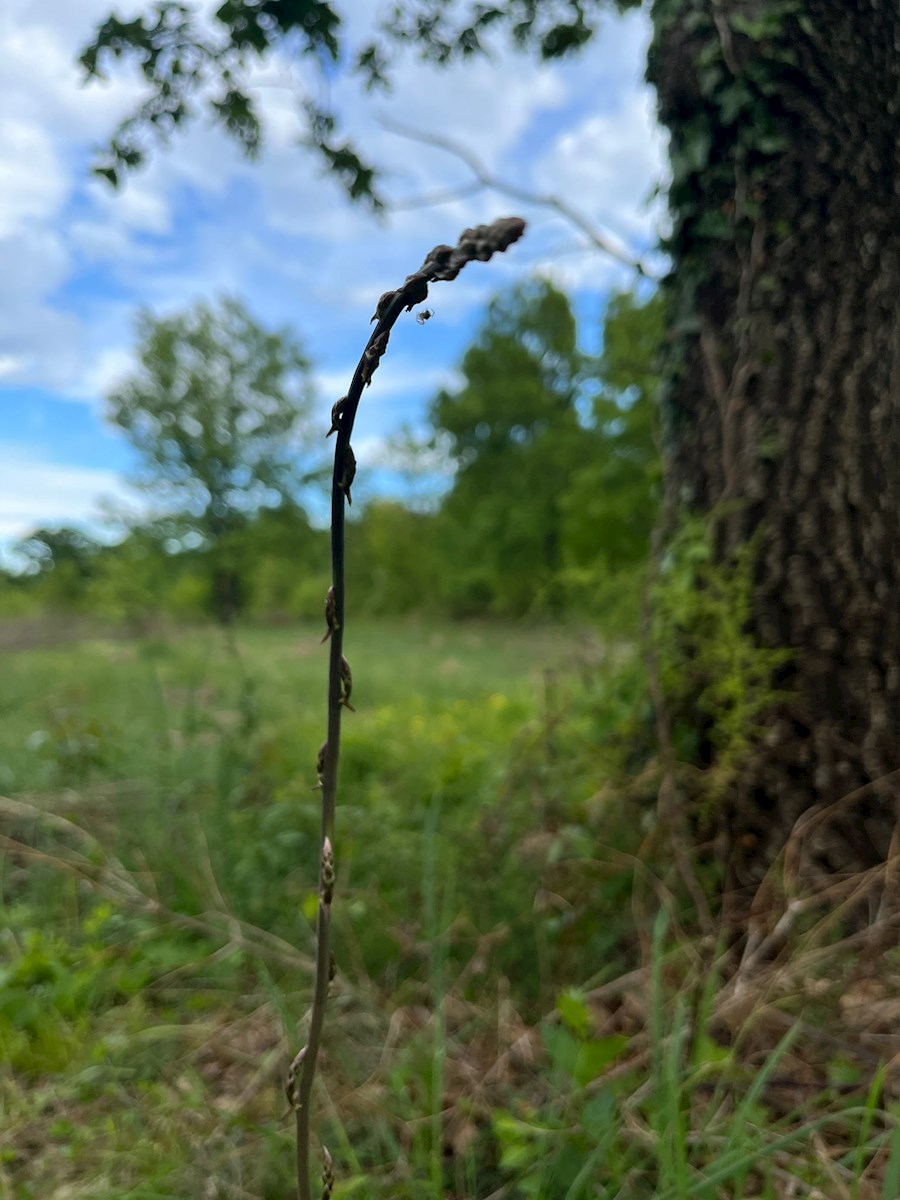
{"x":891,"y":1188}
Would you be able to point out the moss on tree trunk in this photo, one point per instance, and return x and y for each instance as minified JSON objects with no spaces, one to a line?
{"x":782,"y":407}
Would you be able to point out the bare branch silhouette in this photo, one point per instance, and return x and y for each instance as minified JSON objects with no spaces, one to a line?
{"x":485,"y":179}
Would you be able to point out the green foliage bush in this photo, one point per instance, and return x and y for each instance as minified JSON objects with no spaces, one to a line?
{"x":718,"y":681}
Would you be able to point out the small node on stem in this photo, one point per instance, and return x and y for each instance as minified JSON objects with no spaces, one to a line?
{"x":346,"y":684}
{"x":348,"y":474}
{"x":384,"y":303}
{"x":290,"y":1086}
{"x":327,"y":872}
{"x":440,"y":256}
{"x":415,"y":290}
{"x":320,"y":763}
{"x":336,"y":410}
{"x":327,"y":1173}
{"x":330,"y":614}
{"x":373,"y":355}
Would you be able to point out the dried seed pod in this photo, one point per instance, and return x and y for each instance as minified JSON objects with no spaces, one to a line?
{"x":415,"y":289}
{"x":336,"y":410}
{"x":440,"y":264}
{"x":327,"y":872}
{"x":290,"y":1084}
{"x":348,"y":474}
{"x":384,"y":303}
{"x":425,"y":315}
{"x":330,"y":614}
{"x":327,"y":1174}
{"x":373,"y":355}
{"x":505,"y":231}
{"x":441,"y":255}
{"x":346,"y":684}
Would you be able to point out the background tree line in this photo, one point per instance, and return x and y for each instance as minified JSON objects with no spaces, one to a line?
{"x":553,"y":466}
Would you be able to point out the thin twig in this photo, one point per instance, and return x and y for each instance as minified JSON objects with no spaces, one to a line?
{"x":442,"y":263}
{"x":484,"y":180}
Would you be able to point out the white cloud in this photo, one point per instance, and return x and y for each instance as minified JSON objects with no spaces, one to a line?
{"x":33,"y":263}
{"x":9,"y":365}
{"x":109,"y":368}
{"x":609,"y":162}
{"x":35,"y":492}
{"x":100,"y":241}
{"x":488,"y":104}
{"x":39,"y":46}
{"x":48,"y":123}
{"x":38,"y":341}
{"x":61,"y":22}
{"x":33,"y":184}
{"x":413,"y":458}
{"x":76,"y":259}
{"x":141,"y":204}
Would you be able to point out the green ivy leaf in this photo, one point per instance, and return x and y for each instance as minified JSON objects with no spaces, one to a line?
{"x":595,"y":1056}
{"x":574,"y":1012}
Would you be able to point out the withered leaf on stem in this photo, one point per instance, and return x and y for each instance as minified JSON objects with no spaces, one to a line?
{"x":415,"y":290}
{"x":384,"y":303}
{"x":348,"y":474}
{"x":327,"y":1173}
{"x":372,"y":356}
{"x":290,"y":1084}
{"x":327,"y":872}
{"x":336,"y":409}
{"x":346,"y":685}
{"x":330,"y":614}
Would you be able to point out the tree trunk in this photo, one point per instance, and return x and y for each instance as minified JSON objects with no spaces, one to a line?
{"x":226,"y":593}
{"x":782,"y":407}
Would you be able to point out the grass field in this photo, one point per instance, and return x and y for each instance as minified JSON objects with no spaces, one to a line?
{"x":523,"y":1006}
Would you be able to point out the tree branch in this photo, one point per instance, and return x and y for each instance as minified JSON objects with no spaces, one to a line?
{"x":484,"y":179}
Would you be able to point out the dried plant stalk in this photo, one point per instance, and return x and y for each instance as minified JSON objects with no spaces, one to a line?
{"x":442,"y":263}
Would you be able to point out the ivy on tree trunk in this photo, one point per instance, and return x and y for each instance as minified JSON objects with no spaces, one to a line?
{"x":782,"y":400}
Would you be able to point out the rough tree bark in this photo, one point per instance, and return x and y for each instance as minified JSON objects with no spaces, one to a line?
{"x":783,"y":383}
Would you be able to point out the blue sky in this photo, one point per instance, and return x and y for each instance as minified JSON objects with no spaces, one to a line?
{"x":77,"y":260}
